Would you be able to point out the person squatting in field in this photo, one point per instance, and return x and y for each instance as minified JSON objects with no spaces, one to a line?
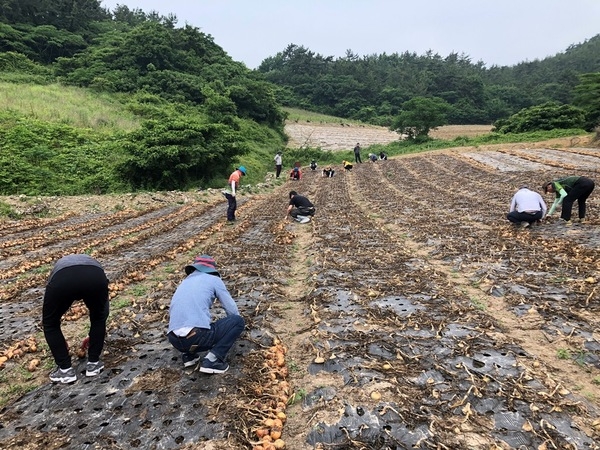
{"x":75,"y":277}
{"x":234,"y":183}
{"x":526,"y":207}
{"x":295,"y":173}
{"x":566,"y":191}
{"x":190,"y":328}
{"x":300,"y":208}
{"x":328,"y":172}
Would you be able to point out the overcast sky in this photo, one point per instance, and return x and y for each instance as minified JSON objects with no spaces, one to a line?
{"x":504,"y":32}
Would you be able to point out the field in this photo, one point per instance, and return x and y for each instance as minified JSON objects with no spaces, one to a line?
{"x":344,"y":136}
{"x":407,"y":314}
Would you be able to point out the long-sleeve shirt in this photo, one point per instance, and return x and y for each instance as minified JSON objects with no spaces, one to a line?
{"x":191,"y":302}
{"x":528,"y":200}
{"x":278,"y":160}
{"x":73,"y":260}
{"x":562,"y":188}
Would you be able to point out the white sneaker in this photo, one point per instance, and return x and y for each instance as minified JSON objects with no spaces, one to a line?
{"x":305,"y":220}
{"x":525,"y":224}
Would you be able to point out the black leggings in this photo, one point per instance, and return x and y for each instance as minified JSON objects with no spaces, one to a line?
{"x":87,"y":283}
{"x":581,"y":191}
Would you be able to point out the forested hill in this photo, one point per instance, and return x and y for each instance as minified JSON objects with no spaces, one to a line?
{"x":373,"y":88}
{"x":199,"y":111}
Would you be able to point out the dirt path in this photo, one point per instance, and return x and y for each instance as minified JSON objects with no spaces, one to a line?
{"x":409,"y":314}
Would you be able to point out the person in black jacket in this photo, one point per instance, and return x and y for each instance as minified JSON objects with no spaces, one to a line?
{"x":75,"y":277}
{"x":300,"y":208}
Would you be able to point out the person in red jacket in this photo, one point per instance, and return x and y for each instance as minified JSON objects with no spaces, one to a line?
{"x":295,"y":173}
{"x":234,"y":182}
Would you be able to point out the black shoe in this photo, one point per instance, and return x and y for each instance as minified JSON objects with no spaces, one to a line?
{"x":209,"y":366}
{"x":190,"y":360}
{"x":63,"y":376}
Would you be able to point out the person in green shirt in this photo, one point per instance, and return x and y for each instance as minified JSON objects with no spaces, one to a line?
{"x":567,"y":190}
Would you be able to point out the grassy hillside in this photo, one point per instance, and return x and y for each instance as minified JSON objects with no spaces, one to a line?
{"x":61,"y":140}
{"x":81,"y":108}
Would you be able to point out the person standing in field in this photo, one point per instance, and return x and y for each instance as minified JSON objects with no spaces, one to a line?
{"x":566,"y":191}
{"x":75,"y":277}
{"x":357,"y":153}
{"x":526,"y":207}
{"x":234,"y":183}
{"x":278,"y":164}
{"x":191,"y":329}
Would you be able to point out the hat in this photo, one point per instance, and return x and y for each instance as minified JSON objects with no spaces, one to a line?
{"x":242,"y":169}
{"x":203,"y":263}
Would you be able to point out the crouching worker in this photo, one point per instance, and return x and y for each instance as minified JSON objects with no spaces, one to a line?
{"x":190,"y":327}
{"x":526,"y":207}
{"x":75,"y":277}
{"x":300,"y":208}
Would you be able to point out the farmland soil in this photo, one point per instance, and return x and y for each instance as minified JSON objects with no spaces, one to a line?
{"x":407,"y":314}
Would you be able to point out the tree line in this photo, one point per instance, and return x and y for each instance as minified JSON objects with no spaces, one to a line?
{"x":200,"y":111}
{"x":377,"y":88}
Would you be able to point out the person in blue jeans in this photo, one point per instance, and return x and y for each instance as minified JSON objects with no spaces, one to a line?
{"x":190,"y":328}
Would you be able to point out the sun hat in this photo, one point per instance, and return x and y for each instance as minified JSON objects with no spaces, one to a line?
{"x":203,"y":263}
{"x":242,"y":169}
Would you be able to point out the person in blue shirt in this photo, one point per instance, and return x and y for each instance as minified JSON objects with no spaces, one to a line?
{"x":566,"y":191}
{"x":191,"y":329}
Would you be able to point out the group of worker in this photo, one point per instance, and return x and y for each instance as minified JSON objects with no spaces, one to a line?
{"x":200,"y":340}
{"x":528,"y":207}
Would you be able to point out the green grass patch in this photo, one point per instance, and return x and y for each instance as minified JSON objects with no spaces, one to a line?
{"x":81,"y":108}
{"x":302,"y":116}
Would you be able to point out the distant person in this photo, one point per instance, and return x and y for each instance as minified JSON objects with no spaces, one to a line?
{"x":295,"y":174}
{"x":526,"y":207}
{"x":300,"y":208}
{"x":373,"y":157}
{"x":278,"y":164}
{"x":75,"y":277}
{"x":234,"y":183}
{"x":347,"y":165}
{"x":357,"y":153}
{"x":567,"y":190}
{"x":313,"y":165}
{"x":191,"y":329}
{"x":383,"y":156}
{"x":328,"y":172}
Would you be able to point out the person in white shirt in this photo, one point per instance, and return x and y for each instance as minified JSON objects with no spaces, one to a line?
{"x":278,"y":164}
{"x":526,"y":207}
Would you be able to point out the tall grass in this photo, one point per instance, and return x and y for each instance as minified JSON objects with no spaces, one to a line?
{"x":73,"y":106}
{"x":302,"y":116}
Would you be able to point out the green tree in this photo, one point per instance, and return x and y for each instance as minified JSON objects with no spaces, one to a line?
{"x":587,"y":96}
{"x":420,"y":115}
{"x":548,"y":116}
